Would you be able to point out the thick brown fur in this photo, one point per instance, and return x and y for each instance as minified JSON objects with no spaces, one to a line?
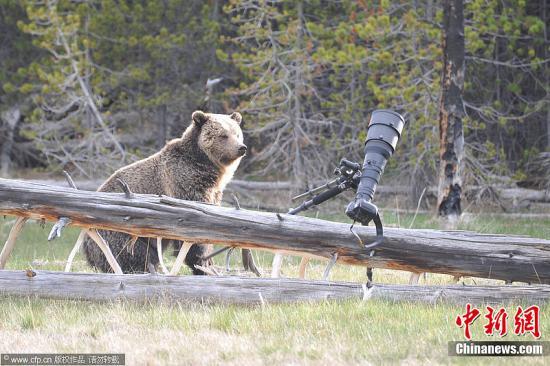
{"x":195,"y":167}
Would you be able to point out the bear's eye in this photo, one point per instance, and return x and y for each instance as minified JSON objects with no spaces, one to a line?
{"x":224,"y":137}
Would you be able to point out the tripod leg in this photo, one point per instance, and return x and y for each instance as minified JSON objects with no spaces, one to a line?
{"x":369,"y":274}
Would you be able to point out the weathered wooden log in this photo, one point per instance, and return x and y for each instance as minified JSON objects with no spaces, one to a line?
{"x":242,"y":290}
{"x":180,"y":258}
{"x":260,"y":186}
{"x":93,"y":184}
{"x":10,"y":242}
{"x":457,"y":253}
{"x":84,"y":185}
{"x":104,"y":246}
{"x":507,"y":193}
{"x":524,"y":194}
{"x":75,"y":250}
{"x":163,"y":267}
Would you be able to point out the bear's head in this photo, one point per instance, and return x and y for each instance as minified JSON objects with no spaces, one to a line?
{"x":220,"y":137}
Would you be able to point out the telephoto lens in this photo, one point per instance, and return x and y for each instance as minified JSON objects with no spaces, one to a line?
{"x":384,"y":131}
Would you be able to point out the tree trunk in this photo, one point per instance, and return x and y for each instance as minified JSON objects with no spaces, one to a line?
{"x":451,"y":110}
{"x":163,"y":127}
{"x":546,"y":19}
{"x":296,"y":113}
{"x":11,"y":118}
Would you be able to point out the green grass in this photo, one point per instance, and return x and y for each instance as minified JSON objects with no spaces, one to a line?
{"x":349,"y":332}
{"x":482,"y":223}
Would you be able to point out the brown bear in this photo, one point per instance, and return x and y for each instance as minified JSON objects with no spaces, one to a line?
{"x":195,"y":167}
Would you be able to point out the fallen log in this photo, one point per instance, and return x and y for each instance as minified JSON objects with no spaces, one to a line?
{"x":457,"y":253}
{"x":506,"y":193}
{"x":242,"y":290}
{"x":93,"y":184}
{"x":84,"y":185}
{"x":261,"y":186}
{"x":524,"y":194}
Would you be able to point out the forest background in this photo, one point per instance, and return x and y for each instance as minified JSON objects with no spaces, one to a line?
{"x":89,"y":85}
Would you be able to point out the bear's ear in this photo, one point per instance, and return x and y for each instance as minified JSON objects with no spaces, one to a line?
{"x":199,"y":118}
{"x":236,"y":116}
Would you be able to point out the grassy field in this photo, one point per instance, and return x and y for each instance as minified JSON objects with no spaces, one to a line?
{"x":351,"y":332}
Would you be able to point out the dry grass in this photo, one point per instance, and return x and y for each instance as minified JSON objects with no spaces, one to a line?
{"x":349,"y":332}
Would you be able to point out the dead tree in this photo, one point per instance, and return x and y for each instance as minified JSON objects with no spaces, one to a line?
{"x":451,"y":110}
{"x":11,"y":118}
{"x":458,"y":253}
{"x":248,"y":291}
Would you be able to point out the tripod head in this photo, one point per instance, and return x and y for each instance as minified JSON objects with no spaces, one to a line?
{"x":348,"y":174}
{"x":383,"y":133}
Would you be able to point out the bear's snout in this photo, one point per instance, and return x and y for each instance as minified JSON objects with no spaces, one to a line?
{"x":242,"y":150}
